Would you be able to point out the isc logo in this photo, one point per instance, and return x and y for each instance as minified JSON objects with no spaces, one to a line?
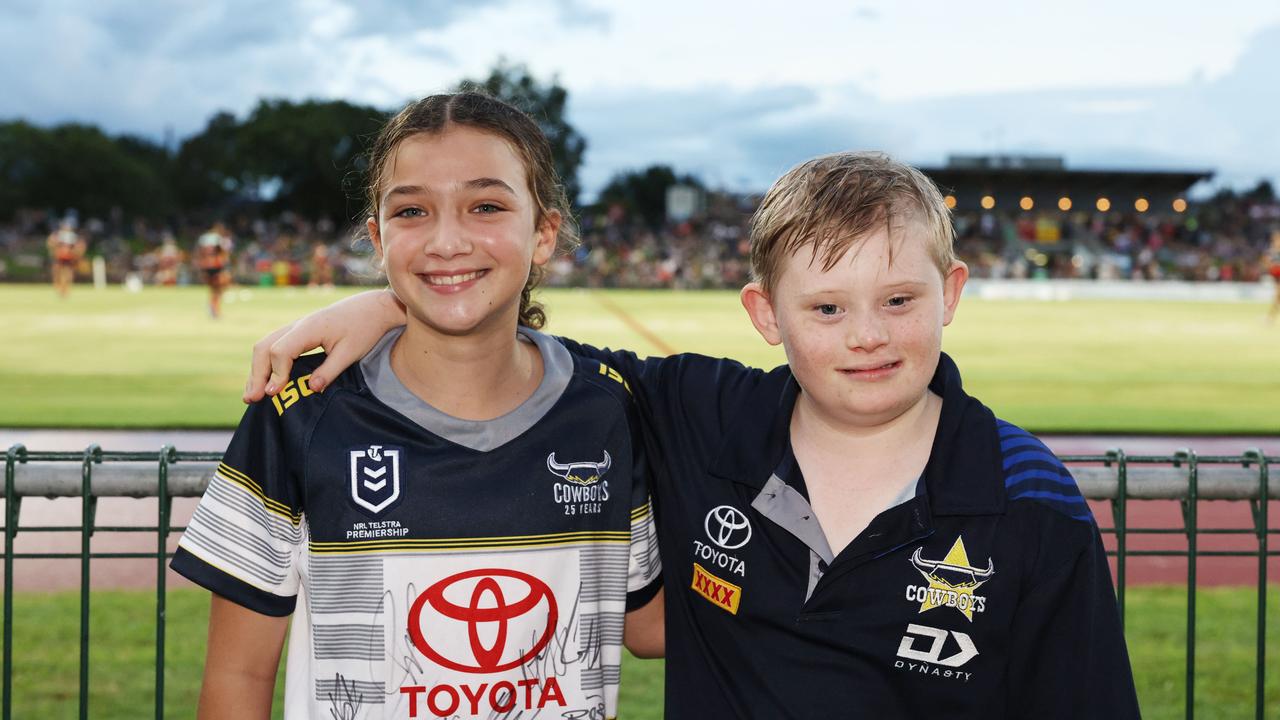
{"x":614,"y":375}
{"x":290,"y":393}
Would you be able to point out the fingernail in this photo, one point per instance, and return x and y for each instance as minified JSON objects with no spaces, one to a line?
{"x":271,"y":389}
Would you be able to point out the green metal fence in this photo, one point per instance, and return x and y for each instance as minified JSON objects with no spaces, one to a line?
{"x":92,"y":474}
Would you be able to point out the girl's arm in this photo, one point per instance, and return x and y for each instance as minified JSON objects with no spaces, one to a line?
{"x":346,"y":330}
{"x":241,"y":664}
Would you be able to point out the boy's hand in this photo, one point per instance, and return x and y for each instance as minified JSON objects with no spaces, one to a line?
{"x":347,"y":330}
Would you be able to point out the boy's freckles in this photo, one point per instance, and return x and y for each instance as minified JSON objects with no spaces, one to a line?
{"x":864,"y":337}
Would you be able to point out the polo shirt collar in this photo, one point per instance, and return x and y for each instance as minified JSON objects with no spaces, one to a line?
{"x":964,"y":475}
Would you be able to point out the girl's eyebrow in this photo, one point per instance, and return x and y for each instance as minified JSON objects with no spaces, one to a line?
{"x":488,"y":182}
{"x":404,"y":190}
{"x":481,"y":183}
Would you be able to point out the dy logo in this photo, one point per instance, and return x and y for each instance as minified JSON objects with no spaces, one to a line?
{"x":375,"y":477}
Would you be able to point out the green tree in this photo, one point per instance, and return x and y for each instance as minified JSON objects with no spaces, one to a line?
{"x":545,"y":103}
{"x":208,"y":173}
{"x":78,"y":166}
{"x":644,"y":192}
{"x":308,"y":157}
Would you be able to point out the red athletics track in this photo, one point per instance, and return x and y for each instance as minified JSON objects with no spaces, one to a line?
{"x":140,"y":574}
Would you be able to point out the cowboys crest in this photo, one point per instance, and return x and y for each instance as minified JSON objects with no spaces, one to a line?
{"x":580,"y":473}
{"x":375,"y":477}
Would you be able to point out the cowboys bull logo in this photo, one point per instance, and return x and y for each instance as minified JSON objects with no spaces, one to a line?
{"x":952,"y":581}
{"x":375,"y":477}
{"x":580,"y":473}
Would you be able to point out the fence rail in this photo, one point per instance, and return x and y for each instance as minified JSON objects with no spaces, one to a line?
{"x":1113,"y":477}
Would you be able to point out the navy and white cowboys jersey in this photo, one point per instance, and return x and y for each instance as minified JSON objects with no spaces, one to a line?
{"x":436,"y":567}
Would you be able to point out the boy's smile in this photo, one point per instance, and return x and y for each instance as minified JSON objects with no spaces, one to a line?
{"x":862,"y":338}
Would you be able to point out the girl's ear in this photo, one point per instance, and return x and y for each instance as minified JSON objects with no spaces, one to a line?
{"x":371,"y":224}
{"x":544,"y":238}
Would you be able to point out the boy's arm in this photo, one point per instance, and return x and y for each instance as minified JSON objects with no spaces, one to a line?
{"x":1068,"y":657}
{"x":346,"y":330}
{"x":644,"y":633}
{"x":241,"y":662}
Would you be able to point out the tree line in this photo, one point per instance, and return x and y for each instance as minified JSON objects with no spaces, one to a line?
{"x":308,"y":157}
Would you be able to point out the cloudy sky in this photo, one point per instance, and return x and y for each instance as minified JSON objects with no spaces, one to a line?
{"x":735,"y":92}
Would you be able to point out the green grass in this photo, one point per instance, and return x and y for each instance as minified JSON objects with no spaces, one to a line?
{"x":122,"y":659}
{"x":154,"y":359}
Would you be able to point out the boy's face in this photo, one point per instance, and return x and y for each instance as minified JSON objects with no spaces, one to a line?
{"x":862,"y":338}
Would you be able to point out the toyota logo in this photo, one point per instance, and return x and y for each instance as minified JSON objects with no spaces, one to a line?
{"x":487,"y":603}
{"x":727,"y":527}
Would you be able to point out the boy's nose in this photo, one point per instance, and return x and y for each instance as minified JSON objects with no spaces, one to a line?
{"x":866,"y":333}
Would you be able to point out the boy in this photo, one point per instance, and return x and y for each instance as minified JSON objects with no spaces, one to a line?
{"x":852,"y":534}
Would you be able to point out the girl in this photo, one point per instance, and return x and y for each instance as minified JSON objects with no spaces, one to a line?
{"x":460,"y":522}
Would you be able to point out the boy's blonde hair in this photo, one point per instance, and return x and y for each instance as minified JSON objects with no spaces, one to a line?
{"x":831,"y":202}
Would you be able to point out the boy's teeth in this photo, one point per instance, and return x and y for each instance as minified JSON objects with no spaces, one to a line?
{"x":452,"y":279}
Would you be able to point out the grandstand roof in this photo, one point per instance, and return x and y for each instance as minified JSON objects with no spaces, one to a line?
{"x":1043,"y":177}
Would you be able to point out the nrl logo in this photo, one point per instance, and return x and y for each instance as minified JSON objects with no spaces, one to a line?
{"x":580,"y":473}
{"x":375,"y":477}
{"x":952,"y":581}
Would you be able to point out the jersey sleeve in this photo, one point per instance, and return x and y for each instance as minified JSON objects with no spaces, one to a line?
{"x":685,"y":400}
{"x":1068,"y":657}
{"x":244,"y":539}
{"x":644,"y":566}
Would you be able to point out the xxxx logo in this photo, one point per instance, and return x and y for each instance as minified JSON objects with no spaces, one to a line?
{"x":721,"y":593}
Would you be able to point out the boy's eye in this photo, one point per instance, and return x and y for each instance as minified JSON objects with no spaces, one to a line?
{"x":898,"y":300}
{"x":828,"y":309}
{"x":487,"y":208}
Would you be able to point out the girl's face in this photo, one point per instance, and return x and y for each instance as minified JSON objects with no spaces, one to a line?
{"x":456,"y":230}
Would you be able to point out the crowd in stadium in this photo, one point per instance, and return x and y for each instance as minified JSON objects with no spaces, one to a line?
{"x":1221,"y":239}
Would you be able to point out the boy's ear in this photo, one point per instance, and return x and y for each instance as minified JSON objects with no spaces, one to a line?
{"x":760,"y":309}
{"x":544,"y":238}
{"x":952,"y":287}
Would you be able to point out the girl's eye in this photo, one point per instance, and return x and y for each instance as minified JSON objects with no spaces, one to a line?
{"x":487,"y":208}
{"x":828,"y":309}
{"x":410,"y":212}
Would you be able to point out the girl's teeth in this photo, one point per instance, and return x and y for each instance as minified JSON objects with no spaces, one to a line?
{"x":452,"y":279}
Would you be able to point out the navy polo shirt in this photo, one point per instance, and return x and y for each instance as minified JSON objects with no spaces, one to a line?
{"x":984,"y":594}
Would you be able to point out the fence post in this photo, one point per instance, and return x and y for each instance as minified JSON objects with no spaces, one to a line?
{"x":1120,"y":514}
{"x":16,"y":454}
{"x":168,"y":454}
{"x":1254,"y":455}
{"x":88,"y":507}
{"x":1189,"y":509}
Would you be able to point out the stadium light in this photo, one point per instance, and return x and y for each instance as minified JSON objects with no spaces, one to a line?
{"x":988,"y":202}
{"x":950,"y":200}
{"x":1026,"y":203}
{"x":1179,"y":205}
{"x":1141,"y":205}
{"x":1064,"y":203}
{"x":1103,"y":204}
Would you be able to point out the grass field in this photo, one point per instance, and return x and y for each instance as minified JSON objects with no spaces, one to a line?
{"x":122,"y":657}
{"x":155,"y":359}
